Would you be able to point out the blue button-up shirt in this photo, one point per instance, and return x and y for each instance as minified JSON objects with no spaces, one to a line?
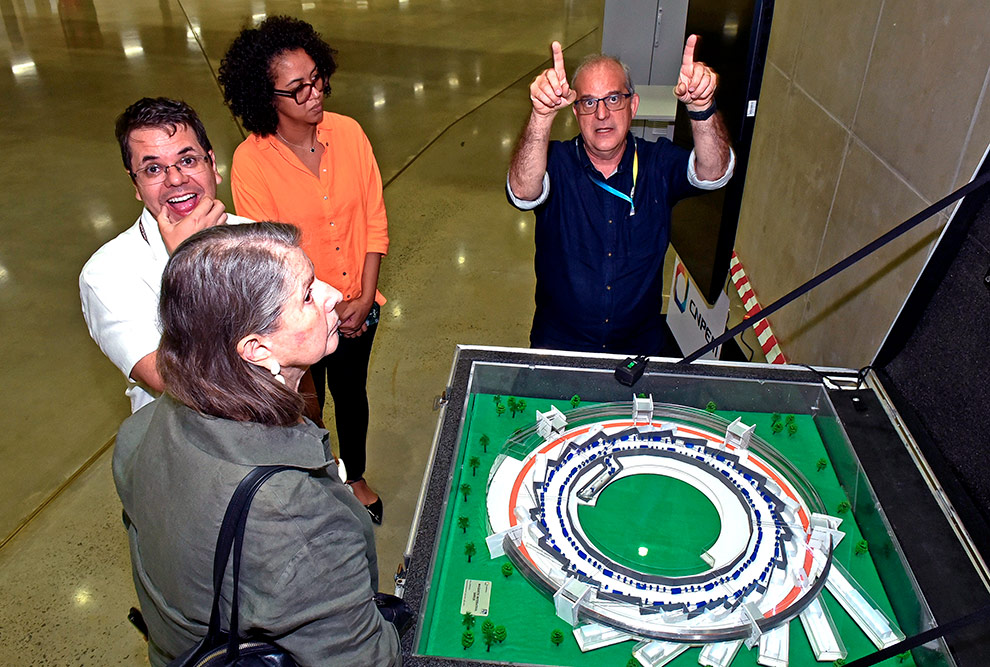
{"x":599,"y":270}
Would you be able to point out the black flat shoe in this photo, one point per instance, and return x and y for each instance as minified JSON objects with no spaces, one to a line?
{"x":375,"y":511}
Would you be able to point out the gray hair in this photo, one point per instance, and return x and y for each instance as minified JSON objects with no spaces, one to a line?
{"x":220,"y":285}
{"x":599,"y":58}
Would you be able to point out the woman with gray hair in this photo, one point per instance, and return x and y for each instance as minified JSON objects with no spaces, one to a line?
{"x":243,"y":316}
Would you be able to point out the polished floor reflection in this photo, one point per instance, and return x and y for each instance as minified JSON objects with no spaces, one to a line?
{"x":440,"y":88}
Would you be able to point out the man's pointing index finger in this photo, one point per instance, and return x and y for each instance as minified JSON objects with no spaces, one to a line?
{"x":687,"y":60}
{"x":558,"y":61}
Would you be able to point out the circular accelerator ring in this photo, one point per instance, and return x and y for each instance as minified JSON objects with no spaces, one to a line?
{"x":767,"y":564}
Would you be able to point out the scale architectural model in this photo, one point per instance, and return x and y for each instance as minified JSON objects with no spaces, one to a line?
{"x":771,"y":559}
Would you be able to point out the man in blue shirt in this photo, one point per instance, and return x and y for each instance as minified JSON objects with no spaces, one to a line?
{"x":603,"y":201}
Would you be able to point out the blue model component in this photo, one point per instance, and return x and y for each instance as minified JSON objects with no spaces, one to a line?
{"x":608,"y":573}
{"x":709,"y":587}
{"x":676,"y":590}
{"x":582,"y":555}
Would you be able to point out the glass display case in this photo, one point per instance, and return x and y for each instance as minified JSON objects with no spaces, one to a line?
{"x":711,"y":514}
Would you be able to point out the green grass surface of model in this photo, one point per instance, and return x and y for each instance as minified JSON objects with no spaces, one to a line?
{"x":527,"y":615}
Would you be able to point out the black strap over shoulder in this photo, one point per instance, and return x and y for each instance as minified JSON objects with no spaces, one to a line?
{"x":231,"y":536}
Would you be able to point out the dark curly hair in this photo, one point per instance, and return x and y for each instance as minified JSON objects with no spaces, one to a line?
{"x":246,"y":69}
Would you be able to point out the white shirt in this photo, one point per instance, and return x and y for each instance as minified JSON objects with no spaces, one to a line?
{"x":119,"y":288}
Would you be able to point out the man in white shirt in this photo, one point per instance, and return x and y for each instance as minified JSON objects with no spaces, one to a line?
{"x":171,"y":163}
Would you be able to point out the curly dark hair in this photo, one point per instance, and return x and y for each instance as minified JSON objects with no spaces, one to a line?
{"x":245,"y":71}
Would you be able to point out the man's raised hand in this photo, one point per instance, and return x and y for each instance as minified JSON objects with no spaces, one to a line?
{"x":208,"y":212}
{"x":696,"y":81}
{"x":550,"y":91}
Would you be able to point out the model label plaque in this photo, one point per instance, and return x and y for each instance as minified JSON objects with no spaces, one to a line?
{"x":476,"y":597}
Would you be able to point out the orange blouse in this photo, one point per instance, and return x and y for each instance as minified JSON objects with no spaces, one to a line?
{"x":341,"y":213}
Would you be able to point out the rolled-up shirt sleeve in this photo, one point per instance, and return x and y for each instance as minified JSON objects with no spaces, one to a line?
{"x":526,"y":205}
{"x":710,"y":185}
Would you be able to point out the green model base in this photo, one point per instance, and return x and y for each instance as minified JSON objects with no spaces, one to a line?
{"x":665,"y":526}
{"x":528,"y":615}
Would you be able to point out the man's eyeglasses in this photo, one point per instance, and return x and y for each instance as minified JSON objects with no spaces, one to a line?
{"x":615,"y":102}
{"x":302,"y":92}
{"x":188,"y":165}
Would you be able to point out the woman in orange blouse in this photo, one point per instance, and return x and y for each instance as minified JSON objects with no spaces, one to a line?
{"x":317,"y":171}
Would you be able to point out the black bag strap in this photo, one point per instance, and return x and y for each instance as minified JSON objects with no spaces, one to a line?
{"x":232,"y":536}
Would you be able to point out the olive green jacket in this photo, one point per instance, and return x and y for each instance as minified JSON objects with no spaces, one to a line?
{"x":308,"y":568}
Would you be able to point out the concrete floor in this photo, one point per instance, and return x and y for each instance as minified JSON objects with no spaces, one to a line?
{"x":440,"y":88}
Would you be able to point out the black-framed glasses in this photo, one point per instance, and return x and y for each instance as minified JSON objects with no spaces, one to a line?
{"x":188,"y":165}
{"x":613,"y":102}
{"x":301,"y":92}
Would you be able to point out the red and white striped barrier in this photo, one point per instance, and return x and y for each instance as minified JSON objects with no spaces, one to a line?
{"x":752,"y":306}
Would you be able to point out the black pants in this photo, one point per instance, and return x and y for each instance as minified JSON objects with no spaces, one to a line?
{"x":345,"y":372}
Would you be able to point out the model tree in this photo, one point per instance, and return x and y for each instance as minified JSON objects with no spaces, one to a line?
{"x":556,"y":637}
{"x":485,"y":441}
{"x":467,"y":639}
{"x":463,"y":522}
{"x":468,"y":620}
{"x":903,"y":657}
{"x":711,"y":406}
{"x":500,"y":633}
{"x":839,"y":663}
{"x":633,"y":662}
{"x":792,"y":428}
{"x":497,"y":399}
{"x":470,"y":550}
{"x":776,"y":427}
{"x":789,"y":419}
{"x":507,"y":569}
{"x":861,"y":547}
{"x":474,"y":462}
{"x":488,"y":632}
{"x":512,"y":406}
{"x":521,"y":405}
{"x":499,"y":409}
{"x":774,"y":418}
{"x":465,"y":490}
{"x":821,"y":464}
{"x":575,"y":401}
{"x":843,"y":507}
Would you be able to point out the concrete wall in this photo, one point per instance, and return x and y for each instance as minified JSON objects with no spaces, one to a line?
{"x":870,"y":111}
